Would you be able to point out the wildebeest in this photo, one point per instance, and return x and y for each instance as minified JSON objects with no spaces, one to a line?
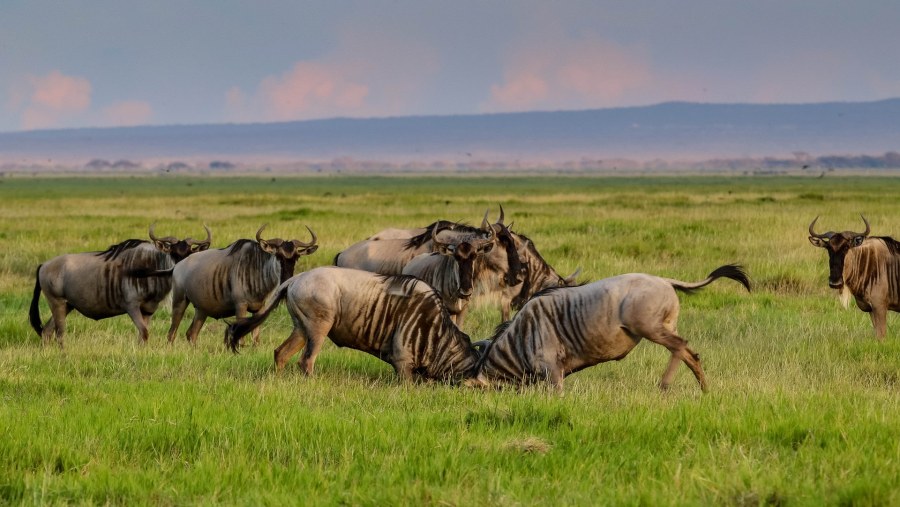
{"x":98,"y":284}
{"x":537,"y":276}
{"x":398,"y":319}
{"x":390,"y":250}
{"x":233,"y":280}
{"x":452,"y":269}
{"x":866,"y":267}
{"x":566,"y":329}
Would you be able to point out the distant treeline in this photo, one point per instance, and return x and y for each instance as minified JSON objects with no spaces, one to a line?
{"x":798,"y":161}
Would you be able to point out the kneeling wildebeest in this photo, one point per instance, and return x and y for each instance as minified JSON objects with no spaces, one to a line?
{"x":563,"y":330}
{"x":866,"y":267}
{"x":398,"y":319}
{"x":99,"y":284}
{"x":233,"y":280}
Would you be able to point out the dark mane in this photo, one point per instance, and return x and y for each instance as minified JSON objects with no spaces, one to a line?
{"x":892,"y":244}
{"x":417,"y":241}
{"x":237,"y":245}
{"x":545,"y":292}
{"x":114,"y":251}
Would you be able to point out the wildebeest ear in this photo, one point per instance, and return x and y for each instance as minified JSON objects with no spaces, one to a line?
{"x":266,"y":246}
{"x":444,"y":249}
{"x":163,"y":246}
{"x":858,"y":240}
{"x":819,"y":242}
{"x":487,"y":247}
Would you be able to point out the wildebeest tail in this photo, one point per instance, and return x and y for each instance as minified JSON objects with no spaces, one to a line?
{"x":733,"y":271}
{"x":34,"y":314}
{"x":239,"y":328}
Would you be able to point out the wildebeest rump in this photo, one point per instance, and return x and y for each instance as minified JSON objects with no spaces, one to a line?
{"x":100,"y":285}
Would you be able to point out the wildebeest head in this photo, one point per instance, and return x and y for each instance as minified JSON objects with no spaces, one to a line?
{"x":287,"y":250}
{"x":465,"y":253}
{"x":516,"y":271}
{"x":179,"y":249}
{"x":837,"y":244}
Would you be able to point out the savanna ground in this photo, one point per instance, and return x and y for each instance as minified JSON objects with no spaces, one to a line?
{"x":803,"y":407}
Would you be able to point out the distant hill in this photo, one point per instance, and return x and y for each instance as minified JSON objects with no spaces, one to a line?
{"x":673,"y":130}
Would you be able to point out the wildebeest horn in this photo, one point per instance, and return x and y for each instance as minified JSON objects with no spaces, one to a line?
{"x":153,"y":236}
{"x":208,"y":239}
{"x":434,"y":235}
{"x":813,"y":232}
{"x":258,"y":238}
{"x":868,"y":229}
{"x":569,"y":280}
{"x":500,"y":220}
{"x":311,"y":243}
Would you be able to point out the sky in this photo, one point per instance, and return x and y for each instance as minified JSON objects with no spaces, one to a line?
{"x":104,"y":63}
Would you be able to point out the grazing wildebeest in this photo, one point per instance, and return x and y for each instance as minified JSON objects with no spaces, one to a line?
{"x":452,"y":270}
{"x":866,"y":267}
{"x":398,"y":319}
{"x":566,"y":329}
{"x":233,"y":280}
{"x":99,"y":284}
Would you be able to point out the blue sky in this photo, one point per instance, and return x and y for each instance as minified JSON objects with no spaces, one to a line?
{"x":68,"y":63}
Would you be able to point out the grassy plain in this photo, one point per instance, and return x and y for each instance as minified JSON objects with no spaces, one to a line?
{"x":803,"y":408}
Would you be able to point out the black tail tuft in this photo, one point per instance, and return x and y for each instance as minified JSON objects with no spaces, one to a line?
{"x":239,"y":328}
{"x":735,"y":272}
{"x":34,"y":314}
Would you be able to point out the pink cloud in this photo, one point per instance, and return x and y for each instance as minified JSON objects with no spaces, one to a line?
{"x":54,"y":98}
{"x":584,"y":73}
{"x":128,"y":113}
{"x":367,"y":74}
{"x":311,"y":90}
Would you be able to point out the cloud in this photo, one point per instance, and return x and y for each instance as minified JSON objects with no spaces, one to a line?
{"x":366,"y":75}
{"x":588,"y":72}
{"x":53,"y":99}
{"x":127,"y":113}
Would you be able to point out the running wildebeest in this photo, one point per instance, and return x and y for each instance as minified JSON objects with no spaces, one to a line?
{"x":452,"y":269}
{"x":99,"y":284}
{"x":868,"y":268}
{"x":233,"y":280}
{"x":566,"y":329}
{"x":398,"y":319}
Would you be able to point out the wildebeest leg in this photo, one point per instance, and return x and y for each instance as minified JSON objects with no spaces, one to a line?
{"x":196,"y":325}
{"x":313,"y":347}
{"x":179,"y":305}
{"x":240,"y":312}
{"x":679,"y":349}
{"x":879,"y":321}
{"x":138,"y":318}
{"x":460,"y":317}
{"x":505,"y":309}
{"x":57,"y":323}
{"x":289,"y":347}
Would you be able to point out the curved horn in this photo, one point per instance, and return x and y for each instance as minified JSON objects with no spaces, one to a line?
{"x":868,"y":228}
{"x":311,"y":243}
{"x":434,"y":235}
{"x":258,"y":238}
{"x":153,"y":236}
{"x":500,"y":220}
{"x":207,"y":241}
{"x":813,"y":232}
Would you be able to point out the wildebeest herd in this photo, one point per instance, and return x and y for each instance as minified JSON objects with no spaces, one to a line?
{"x":402,"y":294}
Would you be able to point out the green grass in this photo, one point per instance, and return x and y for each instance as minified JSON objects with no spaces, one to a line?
{"x":803,"y":407}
